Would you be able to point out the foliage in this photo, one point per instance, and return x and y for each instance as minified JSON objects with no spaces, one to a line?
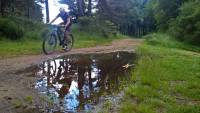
{"x":128,"y":15}
{"x":22,"y":8}
{"x":131,"y":17}
{"x":186,"y":27}
{"x":79,"y":8}
{"x":16,"y":28}
{"x":97,"y":24}
{"x":73,"y":8}
{"x":163,"y":11}
{"x":165,"y":40}
{"x":10,"y":29}
{"x":29,"y":45}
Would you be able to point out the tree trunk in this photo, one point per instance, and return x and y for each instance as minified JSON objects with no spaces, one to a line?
{"x":80,"y":4}
{"x":90,"y":7}
{"x":28,"y":8}
{"x":47,"y":11}
{"x":2,"y":7}
{"x":13,"y":6}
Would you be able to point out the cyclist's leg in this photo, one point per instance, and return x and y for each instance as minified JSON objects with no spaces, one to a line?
{"x":66,"y":34}
{"x":60,"y":31}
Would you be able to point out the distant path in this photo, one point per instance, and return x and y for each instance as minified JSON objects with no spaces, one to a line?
{"x":15,"y":87}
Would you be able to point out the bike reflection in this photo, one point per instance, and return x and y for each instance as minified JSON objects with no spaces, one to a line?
{"x":77,"y":83}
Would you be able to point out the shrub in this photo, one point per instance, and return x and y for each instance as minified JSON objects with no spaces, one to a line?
{"x":97,"y":24}
{"x":162,"y":40}
{"x":16,"y":28}
{"x":186,"y":27}
{"x":165,"y":40}
{"x":10,"y":29}
{"x":84,"y":21}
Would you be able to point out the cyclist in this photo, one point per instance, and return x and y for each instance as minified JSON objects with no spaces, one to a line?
{"x":66,"y":22}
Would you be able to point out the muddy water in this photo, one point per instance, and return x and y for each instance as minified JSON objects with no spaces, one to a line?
{"x":75,"y":83}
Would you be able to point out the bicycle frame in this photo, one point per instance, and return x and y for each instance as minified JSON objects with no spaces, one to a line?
{"x":56,"y":34}
{"x":57,"y":31}
{"x":60,"y":34}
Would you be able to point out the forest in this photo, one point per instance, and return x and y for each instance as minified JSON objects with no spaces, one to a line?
{"x":128,"y":56}
{"x":178,"y":18}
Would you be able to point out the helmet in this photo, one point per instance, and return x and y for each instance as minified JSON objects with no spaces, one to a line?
{"x":62,"y":9}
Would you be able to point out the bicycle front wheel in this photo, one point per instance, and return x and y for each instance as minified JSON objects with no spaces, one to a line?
{"x":49,"y":43}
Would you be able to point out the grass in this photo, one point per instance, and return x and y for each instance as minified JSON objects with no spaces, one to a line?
{"x":166,"y":40}
{"x":165,"y":80}
{"x":86,"y":39}
{"x":10,"y":48}
{"x":83,"y":39}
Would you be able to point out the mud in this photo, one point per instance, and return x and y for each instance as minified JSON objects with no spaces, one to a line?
{"x":17,"y":87}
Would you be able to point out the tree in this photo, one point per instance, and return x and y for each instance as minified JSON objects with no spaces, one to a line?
{"x":128,"y":15}
{"x":47,"y":10}
{"x":3,"y":5}
{"x":164,"y":10}
{"x":73,"y":8}
{"x":24,"y":8}
{"x":81,"y":7}
{"x":89,"y":12}
{"x":186,"y":26}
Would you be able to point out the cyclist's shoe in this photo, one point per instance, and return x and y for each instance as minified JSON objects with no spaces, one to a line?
{"x":64,"y":48}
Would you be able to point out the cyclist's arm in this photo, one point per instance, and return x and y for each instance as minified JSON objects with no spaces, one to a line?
{"x":54,"y":19}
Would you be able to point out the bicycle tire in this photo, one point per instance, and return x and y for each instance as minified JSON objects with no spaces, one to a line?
{"x":51,"y":40}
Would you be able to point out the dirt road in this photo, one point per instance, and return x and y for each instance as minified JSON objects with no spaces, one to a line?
{"x":17,"y":94}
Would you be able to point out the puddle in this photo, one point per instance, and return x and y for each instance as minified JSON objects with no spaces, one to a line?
{"x":75,"y":83}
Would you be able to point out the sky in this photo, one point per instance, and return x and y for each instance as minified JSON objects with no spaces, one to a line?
{"x":54,"y":7}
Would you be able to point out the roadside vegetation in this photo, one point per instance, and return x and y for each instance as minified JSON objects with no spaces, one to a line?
{"x":19,"y":36}
{"x":166,"y":78}
{"x":24,"y":37}
{"x":167,"y":75}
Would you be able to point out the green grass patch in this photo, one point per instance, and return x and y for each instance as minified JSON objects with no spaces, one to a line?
{"x":166,"y":79}
{"x":27,"y":46}
{"x":21,"y":36}
{"x":84,"y":39}
{"x":10,"y":48}
{"x":166,"y":40}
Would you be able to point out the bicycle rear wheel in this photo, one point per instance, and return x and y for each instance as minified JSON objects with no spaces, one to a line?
{"x":68,"y":43}
{"x":49,"y":43}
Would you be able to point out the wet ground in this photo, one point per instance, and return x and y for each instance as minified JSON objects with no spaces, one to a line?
{"x":18,"y":92}
{"x":75,"y":83}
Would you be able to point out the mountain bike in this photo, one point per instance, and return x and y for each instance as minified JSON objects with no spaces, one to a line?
{"x":52,"y":37}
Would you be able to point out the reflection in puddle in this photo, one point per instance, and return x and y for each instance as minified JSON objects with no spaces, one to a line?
{"x":76,"y":82}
